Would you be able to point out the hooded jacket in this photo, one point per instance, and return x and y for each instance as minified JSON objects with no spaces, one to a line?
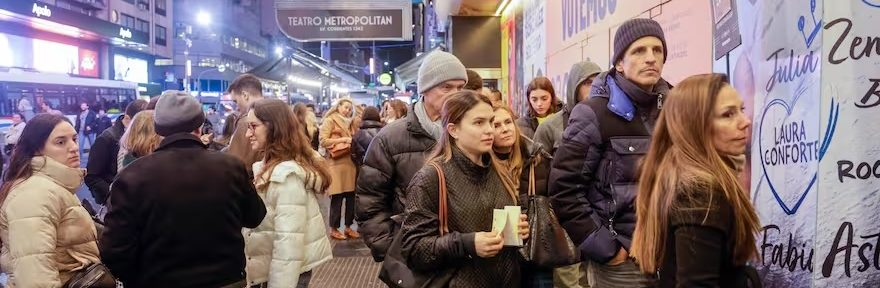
{"x":549,"y":132}
{"x":292,"y":238}
{"x":593,"y":178}
{"x":46,"y":232}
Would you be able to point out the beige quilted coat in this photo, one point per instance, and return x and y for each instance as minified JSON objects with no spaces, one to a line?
{"x":46,"y":232}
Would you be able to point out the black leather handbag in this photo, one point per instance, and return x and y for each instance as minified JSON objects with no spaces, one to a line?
{"x":548,"y":245}
{"x":395,"y":272}
{"x":96,"y":275}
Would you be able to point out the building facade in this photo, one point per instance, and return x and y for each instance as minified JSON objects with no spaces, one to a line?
{"x":63,"y":52}
{"x":219,"y":38}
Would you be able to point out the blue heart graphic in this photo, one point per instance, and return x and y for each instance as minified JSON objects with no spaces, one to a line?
{"x":826,"y":141}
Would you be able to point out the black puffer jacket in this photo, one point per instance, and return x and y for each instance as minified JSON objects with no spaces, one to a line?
{"x":362,"y":139}
{"x":393,"y":157}
{"x":593,"y":175}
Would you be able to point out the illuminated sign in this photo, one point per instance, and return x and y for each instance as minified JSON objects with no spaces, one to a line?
{"x":124,"y":33}
{"x":385,"y":79}
{"x":345,"y":20}
{"x":48,"y":56}
{"x":43,"y":11}
{"x":130,"y":69}
{"x":88,"y":63}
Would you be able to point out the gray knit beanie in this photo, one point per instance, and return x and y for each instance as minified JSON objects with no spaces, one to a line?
{"x":177,"y":112}
{"x":439,"y":67}
{"x":635,"y":29}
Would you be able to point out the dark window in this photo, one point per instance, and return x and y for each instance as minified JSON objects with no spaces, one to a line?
{"x":160,"y":7}
{"x":127,"y":21}
{"x":129,"y":1}
{"x":143,"y":26}
{"x":160,"y":35}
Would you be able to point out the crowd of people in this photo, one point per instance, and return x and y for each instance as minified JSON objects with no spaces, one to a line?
{"x":642,"y":176}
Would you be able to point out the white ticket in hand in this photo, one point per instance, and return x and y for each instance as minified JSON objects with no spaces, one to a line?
{"x":506,"y":222}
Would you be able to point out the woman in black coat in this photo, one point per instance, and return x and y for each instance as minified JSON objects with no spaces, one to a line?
{"x":468,"y":253}
{"x":696,"y":224}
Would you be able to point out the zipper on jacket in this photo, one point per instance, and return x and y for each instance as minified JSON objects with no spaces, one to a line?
{"x":660,"y":101}
{"x":613,"y":212}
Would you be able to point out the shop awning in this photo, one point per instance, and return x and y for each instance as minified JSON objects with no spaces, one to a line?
{"x":300,"y":63}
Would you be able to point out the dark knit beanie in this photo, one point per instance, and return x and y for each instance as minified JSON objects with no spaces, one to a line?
{"x":635,"y":29}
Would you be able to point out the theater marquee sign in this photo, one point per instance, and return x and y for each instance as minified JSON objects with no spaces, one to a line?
{"x":344,"y":20}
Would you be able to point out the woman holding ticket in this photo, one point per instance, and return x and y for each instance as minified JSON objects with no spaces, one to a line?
{"x":473,"y":243}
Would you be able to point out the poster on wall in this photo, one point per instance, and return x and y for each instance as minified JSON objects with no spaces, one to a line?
{"x":725,"y":27}
{"x":783,"y":50}
{"x":534,"y":43}
{"x":847,"y":250}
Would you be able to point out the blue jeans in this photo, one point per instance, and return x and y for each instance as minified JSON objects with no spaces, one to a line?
{"x":83,"y":139}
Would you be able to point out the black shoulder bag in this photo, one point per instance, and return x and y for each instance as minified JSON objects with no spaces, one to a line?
{"x":548,"y":245}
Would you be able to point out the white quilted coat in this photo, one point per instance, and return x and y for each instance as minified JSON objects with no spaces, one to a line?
{"x":46,"y":232}
{"x":292,"y":238}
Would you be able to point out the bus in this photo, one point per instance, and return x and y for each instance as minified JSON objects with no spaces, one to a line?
{"x":63,"y":93}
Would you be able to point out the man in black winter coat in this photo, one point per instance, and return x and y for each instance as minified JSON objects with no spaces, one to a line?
{"x":593,"y":178}
{"x":102,"y":159}
{"x":399,"y":151}
{"x":176,"y":215}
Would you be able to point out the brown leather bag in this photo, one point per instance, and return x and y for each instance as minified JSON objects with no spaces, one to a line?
{"x":340,"y":150}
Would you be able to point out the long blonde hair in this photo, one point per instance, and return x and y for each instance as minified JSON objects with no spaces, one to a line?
{"x":140,"y":137}
{"x":682,"y":159}
{"x":453,"y":111}
{"x":516,"y":158}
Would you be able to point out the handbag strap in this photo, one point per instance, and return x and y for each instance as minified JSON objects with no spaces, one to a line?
{"x":443,"y":211}
{"x":532,"y":175}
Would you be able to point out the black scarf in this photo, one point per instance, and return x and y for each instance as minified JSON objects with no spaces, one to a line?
{"x":647,"y":104}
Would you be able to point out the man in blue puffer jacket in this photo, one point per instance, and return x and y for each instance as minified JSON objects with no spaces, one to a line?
{"x":594,"y":171}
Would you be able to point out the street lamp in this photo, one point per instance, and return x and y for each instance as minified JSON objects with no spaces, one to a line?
{"x":204,"y":19}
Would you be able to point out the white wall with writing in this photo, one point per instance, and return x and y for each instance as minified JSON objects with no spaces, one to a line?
{"x":848,"y":229}
{"x":784,"y":71}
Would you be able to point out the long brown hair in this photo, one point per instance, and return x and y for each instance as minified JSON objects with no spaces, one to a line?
{"x":682,"y":159}
{"x":454,"y":108}
{"x":30,"y":144}
{"x":284,"y":142}
{"x":545,"y":84}
{"x":516,"y":157}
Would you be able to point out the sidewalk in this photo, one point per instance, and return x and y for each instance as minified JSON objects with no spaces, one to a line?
{"x":352,"y":266}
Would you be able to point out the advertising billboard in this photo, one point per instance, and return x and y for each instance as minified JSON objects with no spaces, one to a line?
{"x":130,"y":69}
{"x":47,"y":56}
